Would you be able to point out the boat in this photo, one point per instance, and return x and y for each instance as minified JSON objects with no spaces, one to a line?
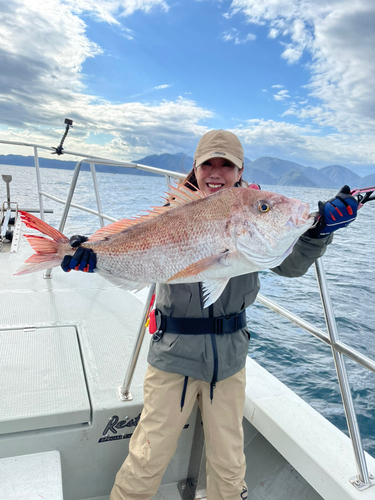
{"x":73,"y":359}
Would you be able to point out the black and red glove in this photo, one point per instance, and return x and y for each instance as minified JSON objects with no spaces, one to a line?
{"x":83,"y":260}
{"x":334,"y":214}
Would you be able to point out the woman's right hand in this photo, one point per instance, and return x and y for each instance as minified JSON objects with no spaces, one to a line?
{"x":83,"y":260}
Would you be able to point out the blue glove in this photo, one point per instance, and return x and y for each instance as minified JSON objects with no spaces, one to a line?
{"x":83,"y":260}
{"x":335,"y":213}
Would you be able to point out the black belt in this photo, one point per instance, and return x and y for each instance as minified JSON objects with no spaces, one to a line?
{"x":200,"y":326}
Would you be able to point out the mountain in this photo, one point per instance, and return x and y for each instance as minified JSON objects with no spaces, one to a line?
{"x":367,"y":181}
{"x":341,"y":175}
{"x":178,"y":162}
{"x":28,"y":161}
{"x":258,"y":176}
{"x":275,"y":166}
{"x":264,"y":170}
{"x":317,"y":177}
{"x":166,"y":161}
{"x":295,"y":178}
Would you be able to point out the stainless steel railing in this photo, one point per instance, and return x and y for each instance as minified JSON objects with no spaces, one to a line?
{"x":92,"y":161}
{"x":364,"y":479}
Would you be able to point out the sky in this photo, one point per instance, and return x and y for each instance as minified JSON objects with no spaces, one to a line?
{"x":294,"y":79}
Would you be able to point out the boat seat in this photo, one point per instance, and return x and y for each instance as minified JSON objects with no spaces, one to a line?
{"x":31,"y":477}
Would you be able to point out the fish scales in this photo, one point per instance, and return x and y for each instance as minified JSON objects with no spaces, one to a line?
{"x":210,"y":239}
{"x":158,"y":248}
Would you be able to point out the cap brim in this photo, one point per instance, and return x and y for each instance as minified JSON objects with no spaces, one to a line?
{"x":227,"y":156}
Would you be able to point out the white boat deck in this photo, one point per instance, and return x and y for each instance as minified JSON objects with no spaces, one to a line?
{"x":65,"y":346}
{"x":31,"y":477}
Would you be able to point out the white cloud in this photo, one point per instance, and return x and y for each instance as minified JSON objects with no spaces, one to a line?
{"x":127,"y":33}
{"x":137,"y":129}
{"x":109,"y":10}
{"x":339,"y":36}
{"x":282,"y":95}
{"x":292,"y":54}
{"x":273,"y":33}
{"x":25,"y":69}
{"x":226,"y":37}
{"x":165,"y":86}
{"x":304,"y":144}
{"x":248,"y":38}
{"x":39,"y":88}
{"x":234,"y":34}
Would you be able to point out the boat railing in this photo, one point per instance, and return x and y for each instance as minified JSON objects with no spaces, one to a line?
{"x":363,"y":479}
{"x":92,"y":161}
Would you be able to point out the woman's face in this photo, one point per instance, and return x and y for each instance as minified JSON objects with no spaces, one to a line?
{"x":216,"y":174}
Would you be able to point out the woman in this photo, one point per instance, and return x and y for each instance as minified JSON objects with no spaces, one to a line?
{"x":201,"y":353}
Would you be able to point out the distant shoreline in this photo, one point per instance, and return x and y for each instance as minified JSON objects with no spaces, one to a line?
{"x":86,"y":168}
{"x":265,"y":170}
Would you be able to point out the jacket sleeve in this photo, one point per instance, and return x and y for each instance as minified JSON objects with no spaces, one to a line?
{"x":305,"y":252}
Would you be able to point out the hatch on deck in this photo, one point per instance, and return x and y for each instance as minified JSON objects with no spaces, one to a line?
{"x":42,"y":379}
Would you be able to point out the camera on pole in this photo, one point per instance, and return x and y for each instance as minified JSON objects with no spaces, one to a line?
{"x":59,"y":149}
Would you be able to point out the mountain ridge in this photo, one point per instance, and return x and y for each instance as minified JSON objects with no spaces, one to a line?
{"x":264,"y":170}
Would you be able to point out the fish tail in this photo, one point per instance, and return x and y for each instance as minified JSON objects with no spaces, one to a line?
{"x":46,"y":249}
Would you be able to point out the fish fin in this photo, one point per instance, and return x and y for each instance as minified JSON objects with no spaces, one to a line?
{"x":212,"y":289}
{"x":34,"y":223}
{"x":178,"y":196}
{"x":198,"y":267}
{"x":46,"y":255}
{"x":38,"y":262}
{"x":259,"y":262}
{"x":121,"y":282}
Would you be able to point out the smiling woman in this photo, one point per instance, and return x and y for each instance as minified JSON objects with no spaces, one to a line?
{"x":218,"y":162}
{"x":190,"y":357}
{"x":217,"y":174}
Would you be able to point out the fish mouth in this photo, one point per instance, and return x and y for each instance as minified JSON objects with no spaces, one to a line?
{"x":301,"y":216}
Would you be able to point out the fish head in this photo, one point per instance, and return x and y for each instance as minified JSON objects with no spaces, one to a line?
{"x":269,"y":224}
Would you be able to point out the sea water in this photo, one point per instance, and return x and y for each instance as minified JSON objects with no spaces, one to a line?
{"x":294,"y":356}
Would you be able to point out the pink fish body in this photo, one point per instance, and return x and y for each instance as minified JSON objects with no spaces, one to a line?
{"x":197,"y":238}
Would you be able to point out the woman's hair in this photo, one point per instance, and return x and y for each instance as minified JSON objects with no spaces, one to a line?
{"x":190,"y":181}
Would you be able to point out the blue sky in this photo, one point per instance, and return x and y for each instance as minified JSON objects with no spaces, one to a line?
{"x":291,"y":79}
{"x":184,"y":52}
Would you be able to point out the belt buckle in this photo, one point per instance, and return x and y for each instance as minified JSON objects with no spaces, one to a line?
{"x":158,"y":333}
{"x":226,"y":324}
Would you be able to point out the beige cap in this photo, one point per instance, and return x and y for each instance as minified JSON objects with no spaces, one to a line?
{"x":219,"y":144}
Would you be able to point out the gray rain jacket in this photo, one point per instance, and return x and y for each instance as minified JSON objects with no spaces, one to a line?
{"x":193,"y":355}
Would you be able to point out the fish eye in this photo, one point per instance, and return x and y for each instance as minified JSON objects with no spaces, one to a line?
{"x":263,"y":207}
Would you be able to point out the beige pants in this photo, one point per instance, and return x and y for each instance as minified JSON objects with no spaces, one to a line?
{"x":155,"y":438}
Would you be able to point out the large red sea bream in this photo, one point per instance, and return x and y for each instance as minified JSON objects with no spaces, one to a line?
{"x":196,"y":238}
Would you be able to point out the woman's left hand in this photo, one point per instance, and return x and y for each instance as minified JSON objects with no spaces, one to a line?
{"x":334,"y":214}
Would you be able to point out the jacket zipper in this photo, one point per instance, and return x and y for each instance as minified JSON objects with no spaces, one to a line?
{"x":214,"y":346}
{"x":216,"y":359}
